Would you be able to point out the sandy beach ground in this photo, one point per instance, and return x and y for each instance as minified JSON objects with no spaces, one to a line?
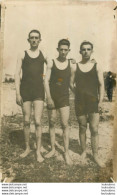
{"x":53,"y":170}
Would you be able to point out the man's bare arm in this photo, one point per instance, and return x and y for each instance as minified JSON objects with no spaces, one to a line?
{"x":17,"y":80}
{"x":46,"y":83}
{"x":72,"y":78}
{"x":101,"y":86}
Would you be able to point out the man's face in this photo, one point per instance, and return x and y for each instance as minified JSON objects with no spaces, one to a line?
{"x":34,"y":39}
{"x":86,"y":51}
{"x":63,"y":51}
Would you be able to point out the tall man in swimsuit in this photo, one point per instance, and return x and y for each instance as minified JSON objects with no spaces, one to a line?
{"x":30,"y":90}
{"x":89,"y":93}
{"x":57,"y":82}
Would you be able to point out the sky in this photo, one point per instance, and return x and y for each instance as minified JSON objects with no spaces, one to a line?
{"x":93,"y":22}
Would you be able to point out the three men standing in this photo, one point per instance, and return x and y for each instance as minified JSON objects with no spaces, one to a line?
{"x":84,"y":78}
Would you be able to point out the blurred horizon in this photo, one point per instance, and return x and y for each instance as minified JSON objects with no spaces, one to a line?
{"x":92,"y":22}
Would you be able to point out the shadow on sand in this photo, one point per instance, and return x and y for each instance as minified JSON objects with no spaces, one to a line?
{"x":17,"y":138}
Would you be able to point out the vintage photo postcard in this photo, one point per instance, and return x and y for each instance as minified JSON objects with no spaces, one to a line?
{"x":58,"y":91}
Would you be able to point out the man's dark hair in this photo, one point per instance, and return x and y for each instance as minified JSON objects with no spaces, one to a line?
{"x":63,"y":42}
{"x":109,"y":73}
{"x":34,"y":31}
{"x":86,"y":43}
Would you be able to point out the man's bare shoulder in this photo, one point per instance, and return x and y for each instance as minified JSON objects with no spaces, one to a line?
{"x":21,"y":55}
{"x":43,"y":52}
{"x":95,"y":62}
{"x":98,"y":67}
{"x":73,"y":65}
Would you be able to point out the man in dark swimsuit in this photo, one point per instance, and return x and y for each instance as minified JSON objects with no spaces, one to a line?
{"x":57,"y":83}
{"x":30,"y":90}
{"x":89,"y":91}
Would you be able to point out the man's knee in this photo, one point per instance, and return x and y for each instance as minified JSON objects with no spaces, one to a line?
{"x":94,"y":130}
{"x":37,"y":124}
{"x":51,"y":123}
{"x":82,"y":120}
{"x":26,"y":124}
{"x":94,"y":133}
{"x":82,"y":128}
{"x":64,"y":125}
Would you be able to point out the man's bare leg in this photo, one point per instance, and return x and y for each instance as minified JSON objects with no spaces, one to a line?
{"x":64,"y":113}
{"x":38,"y":109}
{"x":82,"y":120}
{"x":52,"y":117}
{"x":26,"y":109}
{"x":93,"y":125}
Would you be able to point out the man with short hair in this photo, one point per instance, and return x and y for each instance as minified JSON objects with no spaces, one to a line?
{"x":30,"y":90}
{"x":57,"y":83}
{"x":89,"y":92}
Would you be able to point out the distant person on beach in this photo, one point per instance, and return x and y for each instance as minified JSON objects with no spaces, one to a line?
{"x":57,"y":83}
{"x":110,"y":85}
{"x":30,"y":90}
{"x":89,"y":92}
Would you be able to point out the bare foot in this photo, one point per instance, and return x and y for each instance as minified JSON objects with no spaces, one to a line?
{"x":40,"y":158}
{"x":83,"y":156}
{"x":68,"y":159}
{"x":50,"y":154}
{"x":99,"y":161}
{"x":24,"y":154}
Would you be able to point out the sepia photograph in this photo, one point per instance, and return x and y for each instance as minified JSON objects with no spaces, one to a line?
{"x":58,"y":91}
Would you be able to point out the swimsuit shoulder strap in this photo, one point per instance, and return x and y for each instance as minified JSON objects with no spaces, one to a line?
{"x":54,"y":65}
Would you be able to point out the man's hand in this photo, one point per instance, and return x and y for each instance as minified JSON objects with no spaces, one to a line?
{"x":100,"y":107}
{"x":93,"y":61}
{"x":50,"y":104}
{"x":73,"y":61}
{"x":19,"y":100}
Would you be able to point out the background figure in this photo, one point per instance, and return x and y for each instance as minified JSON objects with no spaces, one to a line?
{"x":110,"y":85}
